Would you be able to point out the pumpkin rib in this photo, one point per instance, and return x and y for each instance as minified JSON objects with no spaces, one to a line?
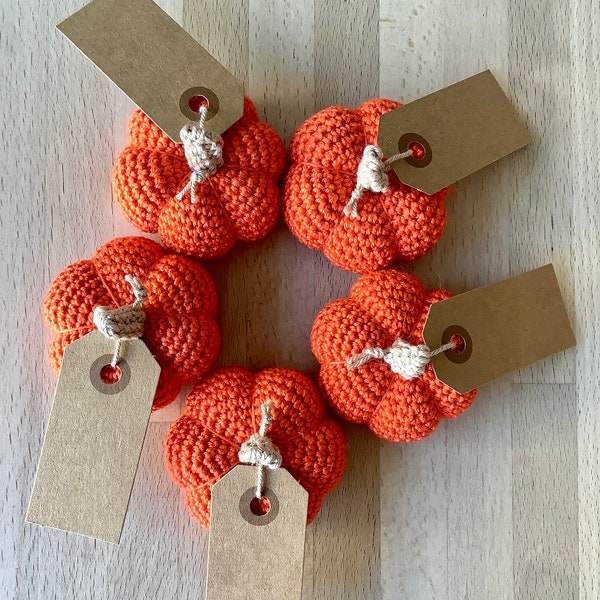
{"x":353,"y":175}
{"x":252,"y":215}
{"x":360,"y":294}
{"x":384,"y":417}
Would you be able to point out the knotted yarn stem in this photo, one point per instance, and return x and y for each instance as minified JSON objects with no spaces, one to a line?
{"x":372,"y":175}
{"x":403,"y":358}
{"x":124,"y":323}
{"x":259,"y":450}
{"x":203,"y":151}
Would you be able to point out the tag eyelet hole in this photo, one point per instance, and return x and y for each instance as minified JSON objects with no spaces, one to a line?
{"x":460,"y":336}
{"x":418,"y":150}
{"x":104,"y":377}
{"x":260,"y":506}
{"x":459,"y":343}
{"x":422,"y":152}
{"x":251,"y":508}
{"x":197,"y":101}
{"x":193,"y":98}
{"x":110,"y":375}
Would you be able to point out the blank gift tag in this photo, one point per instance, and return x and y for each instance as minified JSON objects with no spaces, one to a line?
{"x":505,"y":326}
{"x":155,"y":62}
{"x":94,"y":439}
{"x":252,"y":555}
{"x":460,"y":129}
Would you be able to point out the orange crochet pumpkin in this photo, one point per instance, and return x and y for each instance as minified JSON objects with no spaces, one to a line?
{"x":224,"y":410}
{"x":179,"y":329}
{"x":238,"y":202}
{"x":382,"y":307}
{"x":399,"y":224}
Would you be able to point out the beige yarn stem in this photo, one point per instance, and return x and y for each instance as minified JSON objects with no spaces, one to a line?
{"x":260,"y":481}
{"x":203,"y":152}
{"x":124,"y":323}
{"x":265,"y":423}
{"x":403,"y":358}
{"x":259,"y":450}
{"x":371,"y":175}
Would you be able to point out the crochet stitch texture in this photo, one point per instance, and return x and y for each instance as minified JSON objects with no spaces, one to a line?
{"x":399,"y":224}
{"x":224,"y":410}
{"x":179,"y":328}
{"x":382,"y":307}
{"x":238,"y":202}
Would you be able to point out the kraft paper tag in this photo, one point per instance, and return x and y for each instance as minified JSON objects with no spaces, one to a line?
{"x":505,"y":326}
{"x":462,"y":129}
{"x":94,"y":439}
{"x":155,"y":62}
{"x":256,"y":556}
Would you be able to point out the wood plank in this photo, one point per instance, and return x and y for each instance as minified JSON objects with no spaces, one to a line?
{"x":281,"y":75}
{"x":347,"y":562}
{"x":283,"y":278}
{"x":346,"y":538}
{"x":585,"y":86}
{"x":411,"y":49}
{"x":545,"y":530}
{"x":221,"y":28}
{"x":479,"y":492}
{"x":438,"y":495}
{"x":414,"y":509}
{"x":53,"y":154}
{"x":542,"y":197}
{"x":346,"y":61}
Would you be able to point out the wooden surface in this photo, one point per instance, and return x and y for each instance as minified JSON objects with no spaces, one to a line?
{"x":502,"y":503}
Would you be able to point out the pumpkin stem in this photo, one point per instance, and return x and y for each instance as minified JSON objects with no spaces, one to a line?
{"x":371,"y":175}
{"x":259,"y":450}
{"x":203,"y":151}
{"x":124,"y":323}
{"x":403,"y":358}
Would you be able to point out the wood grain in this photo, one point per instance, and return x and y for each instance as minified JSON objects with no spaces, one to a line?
{"x":544,"y":196}
{"x":585,"y":88}
{"x":501,"y":503}
{"x":545,"y":534}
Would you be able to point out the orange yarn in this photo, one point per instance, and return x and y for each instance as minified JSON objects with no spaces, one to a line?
{"x":382,"y":307}
{"x":224,"y":410}
{"x":179,"y":330}
{"x":400,"y":224}
{"x":239,"y":202}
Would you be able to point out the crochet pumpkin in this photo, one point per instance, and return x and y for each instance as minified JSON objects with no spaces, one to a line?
{"x":240,"y":201}
{"x":224,"y":410}
{"x":179,"y":328}
{"x":382,"y":308}
{"x":399,"y":223}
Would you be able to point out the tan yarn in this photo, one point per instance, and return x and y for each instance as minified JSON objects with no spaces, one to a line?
{"x":403,"y":358}
{"x":123,"y":323}
{"x":371,"y":175}
{"x":259,"y":450}
{"x":203,"y":151}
